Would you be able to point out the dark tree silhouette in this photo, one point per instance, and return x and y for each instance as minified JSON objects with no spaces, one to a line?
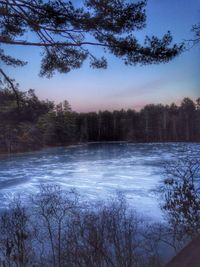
{"x":42,"y":123}
{"x":181,"y":194}
{"x":196,"y":31}
{"x":67,"y":32}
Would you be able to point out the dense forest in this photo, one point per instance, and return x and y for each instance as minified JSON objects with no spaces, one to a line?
{"x":27,"y":123}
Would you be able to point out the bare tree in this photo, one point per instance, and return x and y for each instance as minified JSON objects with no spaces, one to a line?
{"x":15,"y":236}
{"x":181,"y":197}
{"x":54,"y":208}
{"x":63,"y":231}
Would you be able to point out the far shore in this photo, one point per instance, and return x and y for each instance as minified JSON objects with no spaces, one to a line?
{"x":4,"y":153}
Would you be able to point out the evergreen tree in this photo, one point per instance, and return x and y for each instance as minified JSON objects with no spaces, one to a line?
{"x":67,"y":32}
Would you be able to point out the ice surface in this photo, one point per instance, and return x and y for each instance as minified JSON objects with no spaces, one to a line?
{"x":97,"y":171}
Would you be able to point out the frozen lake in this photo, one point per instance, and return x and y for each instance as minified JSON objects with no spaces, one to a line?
{"x":97,"y":171}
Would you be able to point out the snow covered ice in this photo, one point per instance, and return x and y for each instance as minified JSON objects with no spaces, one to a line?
{"x":97,"y":171}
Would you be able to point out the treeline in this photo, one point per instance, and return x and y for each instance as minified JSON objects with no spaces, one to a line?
{"x":27,"y":123}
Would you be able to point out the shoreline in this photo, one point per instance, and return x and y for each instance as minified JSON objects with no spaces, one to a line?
{"x":94,"y":142}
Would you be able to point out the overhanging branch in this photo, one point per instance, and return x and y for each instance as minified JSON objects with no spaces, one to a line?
{"x":13,"y":42}
{"x":12,"y":86}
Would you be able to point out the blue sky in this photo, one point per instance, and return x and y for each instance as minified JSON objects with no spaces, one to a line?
{"x":120,"y":86}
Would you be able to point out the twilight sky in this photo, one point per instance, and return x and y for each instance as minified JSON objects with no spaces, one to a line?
{"x":120,"y":86}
